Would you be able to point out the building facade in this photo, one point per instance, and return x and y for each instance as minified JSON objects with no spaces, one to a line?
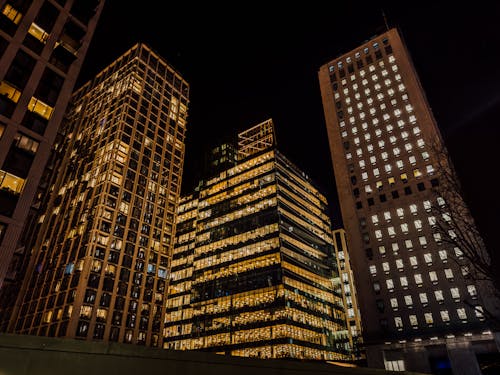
{"x":100,"y":265}
{"x":42,"y":47}
{"x":349,"y":295}
{"x":413,"y":289}
{"x":253,"y":267}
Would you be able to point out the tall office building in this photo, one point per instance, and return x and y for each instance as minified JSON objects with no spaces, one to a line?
{"x":42,"y":48}
{"x":253,"y":267}
{"x":415,"y":301}
{"x":349,"y":295}
{"x":99,"y":270}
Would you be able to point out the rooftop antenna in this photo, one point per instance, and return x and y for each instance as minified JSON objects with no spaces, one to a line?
{"x":385,"y":20}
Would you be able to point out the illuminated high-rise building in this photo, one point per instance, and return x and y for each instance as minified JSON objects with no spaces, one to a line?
{"x":42,"y":48}
{"x":419,"y":309}
{"x":349,"y":294}
{"x":99,"y":268}
{"x":253,"y":269}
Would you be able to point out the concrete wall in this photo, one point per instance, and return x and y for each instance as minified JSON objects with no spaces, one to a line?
{"x":22,"y":355}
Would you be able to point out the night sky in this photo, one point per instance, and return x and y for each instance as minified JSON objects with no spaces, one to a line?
{"x":251,"y":61}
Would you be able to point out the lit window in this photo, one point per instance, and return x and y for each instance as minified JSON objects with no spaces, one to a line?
{"x":404,"y":228}
{"x":391,"y":60}
{"x":416,"y":130}
{"x":448,"y":273}
{"x":399,"y":264}
{"x":423,"y":298}
{"x":357,"y":141}
{"x":428,"y":258}
{"x":418,"y":224}
{"x":396,"y":151}
{"x":430,"y":169}
{"x":391,"y":181}
{"x":394,"y":303}
{"x":443,"y":255}
{"x":428,"y":318}
{"x":364,"y":125}
{"x":395,"y":247}
{"x":472,"y":290}
{"x":427,"y":205}
{"x":364,"y":176}
{"x":408,"y":147}
{"x":439,"y":295}
{"x":387,"y":215}
{"x":386,"y":267}
{"x":418,"y":279}
{"x":388,"y":168}
{"x":413,"y":320}
{"x":445,"y":317}
{"x":396,"y":365}
{"x":413,"y":261}
{"x":423,"y":241}
{"x":432,"y":221}
{"x":373,"y":270}
{"x":390,"y":284}
{"x":373,"y":160}
{"x":433,"y":276}
{"x":374,"y":219}
{"x":400,"y":165}
{"x":479,"y":312}
{"x":409,"y":244}
{"x":455,"y":293}
{"x":362,"y":163}
{"x":344,"y":134}
{"x":391,"y":231}
{"x":376,"y":172}
{"x":458,"y":253}
{"x":381,"y":250}
{"x":384,"y":155}
{"x":368,"y":189}
{"x":420,"y":143}
{"x":377,"y":86}
{"x":378,"y":234}
{"x":408,"y":300}
{"x":404,"y":281}
{"x":390,"y":92}
{"x":417,"y":173}
{"x":461,"y":314}
{"x":369,"y":148}
{"x":392,"y":139}
{"x":437,"y":237}
{"x":401,"y":87}
{"x":348,"y":156}
{"x":398,"y":322}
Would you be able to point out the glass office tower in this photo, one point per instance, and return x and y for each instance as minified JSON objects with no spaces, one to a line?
{"x":100,"y":267}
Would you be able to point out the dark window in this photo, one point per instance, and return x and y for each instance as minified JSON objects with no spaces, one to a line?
{"x":354,"y":180}
{"x":356,"y":192}
{"x":407,"y":190}
{"x":380,"y":305}
{"x":20,"y":70}
{"x":395,"y":194}
{"x":421,"y":186}
{"x":49,"y":87}
{"x":434,"y":182}
{"x":359,"y":205}
{"x":388,"y":50}
{"x":84,"y":9}
{"x":369,"y":59}
{"x":371,"y":201}
{"x":382,"y":197}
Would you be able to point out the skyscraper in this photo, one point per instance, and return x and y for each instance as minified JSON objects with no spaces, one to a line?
{"x":253,"y":267}
{"x":383,"y":140}
{"x":99,"y":269}
{"x":349,"y":294}
{"x":42,"y":48}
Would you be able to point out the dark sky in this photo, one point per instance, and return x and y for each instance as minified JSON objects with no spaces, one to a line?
{"x":249,"y":61}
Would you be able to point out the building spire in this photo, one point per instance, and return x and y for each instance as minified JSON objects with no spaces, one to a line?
{"x":385,"y":19}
